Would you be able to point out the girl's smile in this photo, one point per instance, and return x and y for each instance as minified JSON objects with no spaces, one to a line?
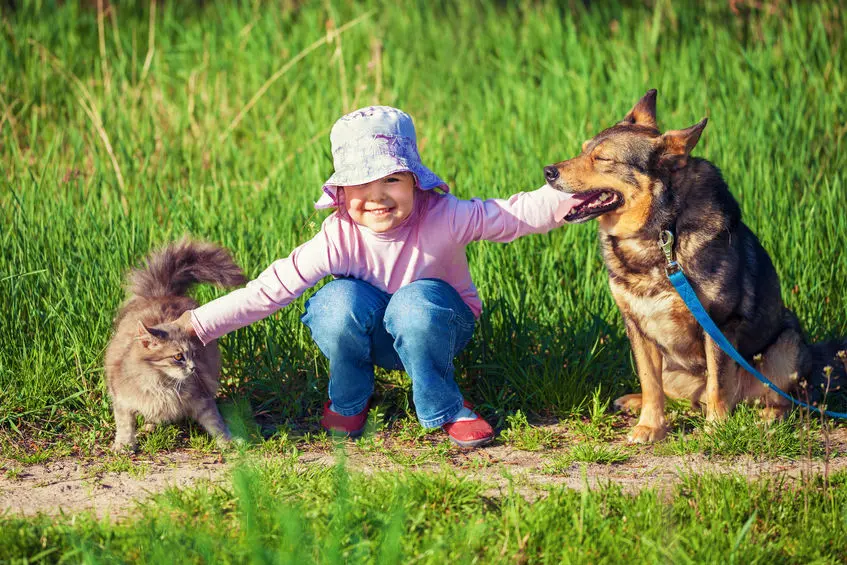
{"x":379,"y":211}
{"x":382,"y":204}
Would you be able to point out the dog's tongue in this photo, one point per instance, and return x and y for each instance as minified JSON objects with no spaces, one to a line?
{"x":567,"y":204}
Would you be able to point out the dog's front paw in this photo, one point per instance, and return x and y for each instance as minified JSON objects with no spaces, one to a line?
{"x":628,"y":403}
{"x":716,"y":412}
{"x":647,"y":434}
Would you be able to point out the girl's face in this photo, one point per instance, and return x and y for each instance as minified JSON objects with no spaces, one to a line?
{"x":381,"y":204}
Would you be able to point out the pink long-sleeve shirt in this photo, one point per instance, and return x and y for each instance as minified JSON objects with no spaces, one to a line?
{"x":430,"y":243}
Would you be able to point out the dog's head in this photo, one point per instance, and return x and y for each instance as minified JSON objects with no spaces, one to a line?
{"x":623,"y":169}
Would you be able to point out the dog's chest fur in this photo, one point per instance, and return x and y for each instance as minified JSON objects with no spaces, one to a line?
{"x":647,"y":300}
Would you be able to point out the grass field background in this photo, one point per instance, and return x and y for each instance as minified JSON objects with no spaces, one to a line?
{"x":200,"y":142}
{"x":122,"y":132}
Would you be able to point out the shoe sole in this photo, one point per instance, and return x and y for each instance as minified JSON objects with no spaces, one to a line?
{"x":342,"y":434}
{"x":472,"y":443}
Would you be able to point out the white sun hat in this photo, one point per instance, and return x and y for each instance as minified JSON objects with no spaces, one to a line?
{"x":372,"y":143}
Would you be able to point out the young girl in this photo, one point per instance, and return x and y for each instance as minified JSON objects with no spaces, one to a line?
{"x":402,"y":296}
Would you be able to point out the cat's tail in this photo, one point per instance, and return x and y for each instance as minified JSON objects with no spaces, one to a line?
{"x":172,"y":270}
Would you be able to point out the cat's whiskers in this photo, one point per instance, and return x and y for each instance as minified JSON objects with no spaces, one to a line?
{"x":179,"y":384}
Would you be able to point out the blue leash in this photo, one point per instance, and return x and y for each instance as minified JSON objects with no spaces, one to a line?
{"x":689,"y":297}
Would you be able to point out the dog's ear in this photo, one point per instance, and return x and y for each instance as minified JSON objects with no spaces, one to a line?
{"x":644,"y":111}
{"x":676,"y":145}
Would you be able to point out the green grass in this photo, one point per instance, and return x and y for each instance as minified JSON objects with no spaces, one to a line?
{"x":161,"y":438}
{"x":274,"y":513}
{"x":121,"y":463}
{"x":201,"y":142}
{"x":496,"y":94}
{"x":744,"y":433}
{"x":594,"y":422}
{"x":588,"y":452}
{"x":13,"y":473}
{"x":522,"y":435}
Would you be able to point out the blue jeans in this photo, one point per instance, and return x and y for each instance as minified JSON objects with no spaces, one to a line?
{"x":419,"y":328}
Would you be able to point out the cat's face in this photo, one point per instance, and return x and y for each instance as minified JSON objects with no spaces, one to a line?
{"x":168,"y":349}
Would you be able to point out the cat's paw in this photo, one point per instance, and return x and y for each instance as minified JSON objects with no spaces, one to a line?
{"x":124,"y":446}
{"x":225,"y":442}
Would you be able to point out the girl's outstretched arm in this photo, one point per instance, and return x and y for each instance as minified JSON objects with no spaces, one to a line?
{"x":282,"y":282}
{"x":504,"y":220}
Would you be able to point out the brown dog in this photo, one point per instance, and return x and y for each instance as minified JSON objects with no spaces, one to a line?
{"x":638,"y":182}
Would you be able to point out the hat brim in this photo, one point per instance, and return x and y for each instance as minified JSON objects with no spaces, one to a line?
{"x":425,"y":179}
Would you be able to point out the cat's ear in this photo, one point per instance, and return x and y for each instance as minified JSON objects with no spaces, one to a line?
{"x":149,"y":337}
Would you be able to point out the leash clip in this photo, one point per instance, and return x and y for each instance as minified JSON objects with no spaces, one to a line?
{"x":666,"y":240}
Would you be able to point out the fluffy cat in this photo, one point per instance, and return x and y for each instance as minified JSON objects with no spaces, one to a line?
{"x":153,"y":367}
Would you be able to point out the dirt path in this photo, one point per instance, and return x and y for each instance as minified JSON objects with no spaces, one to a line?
{"x":529,"y":473}
{"x":71,"y":485}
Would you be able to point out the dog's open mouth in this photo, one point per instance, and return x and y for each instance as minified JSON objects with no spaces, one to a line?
{"x":592,"y":204}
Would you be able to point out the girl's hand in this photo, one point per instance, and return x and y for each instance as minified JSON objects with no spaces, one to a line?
{"x":184,"y":322}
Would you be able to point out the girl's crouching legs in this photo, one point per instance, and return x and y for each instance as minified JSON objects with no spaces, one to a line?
{"x":430,"y":324}
{"x":341,"y":317}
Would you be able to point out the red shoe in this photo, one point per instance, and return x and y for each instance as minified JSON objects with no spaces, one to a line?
{"x":470,"y":433}
{"x":350,"y":426}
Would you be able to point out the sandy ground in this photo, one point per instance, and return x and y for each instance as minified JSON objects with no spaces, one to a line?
{"x":72,"y":486}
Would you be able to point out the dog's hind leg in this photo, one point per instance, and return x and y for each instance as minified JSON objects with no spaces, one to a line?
{"x":677,"y":384}
{"x":628,"y":403}
{"x":721,"y":374}
{"x":781,"y":363}
{"x":685,"y":385}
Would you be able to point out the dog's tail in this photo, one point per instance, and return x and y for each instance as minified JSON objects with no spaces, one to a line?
{"x":827,"y":374}
{"x":171,"y":271}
